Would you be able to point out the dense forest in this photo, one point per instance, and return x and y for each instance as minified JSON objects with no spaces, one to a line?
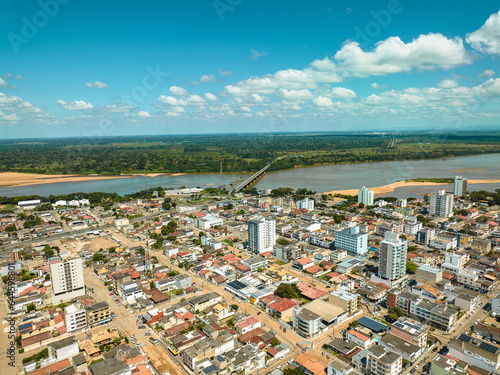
{"x":238,"y":153}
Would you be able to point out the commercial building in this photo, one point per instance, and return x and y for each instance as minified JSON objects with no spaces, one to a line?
{"x":365,"y":196}
{"x":459,"y":186}
{"x":75,"y":316}
{"x":67,"y":279}
{"x":261,"y":235}
{"x":352,"y":240}
{"x":441,"y":204}
{"x":392,"y":264}
{"x":209,"y":221}
{"x":98,"y":313}
{"x":182,"y":281}
{"x":475,"y":352}
{"x":287,"y":253}
{"x":454,"y":262}
{"x":428,"y":273}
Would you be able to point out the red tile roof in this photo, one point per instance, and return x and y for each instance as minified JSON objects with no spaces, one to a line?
{"x":282,"y":305}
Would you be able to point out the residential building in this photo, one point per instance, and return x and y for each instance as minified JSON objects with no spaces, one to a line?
{"x":459,"y":186}
{"x":395,"y":344}
{"x":182,"y":281}
{"x":67,"y":278}
{"x":441,"y":204}
{"x":98,"y":313}
{"x":287,"y":253}
{"x":348,"y":301}
{"x":306,"y":203}
{"x":495,"y":304}
{"x":411,"y":331}
{"x":360,"y":339}
{"x":365,"y":196}
{"x":64,"y":348}
{"x":352,"y":240}
{"x":442,"y":365}
{"x":247,"y":325}
{"x":392,"y":264}
{"x":204,"y":301}
{"x":309,"y":364}
{"x":475,"y":352}
{"x":412,"y":226}
{"x":455,"y":262}
{"x":338,"y":367}
{"x":261,"y":235}
{"x":75,"y":316}
{"x":379,"y":361}
{"x":307,"y":323}
{"x":254,"y":263}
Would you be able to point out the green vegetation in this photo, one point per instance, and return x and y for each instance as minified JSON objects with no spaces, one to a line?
{"x":394,"y":313}
{"x":238,"y":153}
{"x":288,"y":291}
{"x":411,"y":267}
{"x":436,"y":180}
{"x":295,"y":371}
{"x":486,"y":197}
{"x":37,"y":357}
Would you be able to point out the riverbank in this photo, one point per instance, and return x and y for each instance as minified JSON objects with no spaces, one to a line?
{"x":13,"y":179}
{"x":386,"y":189}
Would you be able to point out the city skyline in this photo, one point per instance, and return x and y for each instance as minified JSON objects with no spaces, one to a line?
{"x":246,"y":67}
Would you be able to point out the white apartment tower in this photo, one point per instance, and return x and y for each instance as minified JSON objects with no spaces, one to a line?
{"x":306,"y":203}
{"x":76,"y":318}
{"x":441,"y":204}
{"x":460,"y":186}
{"x":392,"y":264}
{"x":67,"y":278}
{"x":261,"y":235}
{"x":365,"y":196}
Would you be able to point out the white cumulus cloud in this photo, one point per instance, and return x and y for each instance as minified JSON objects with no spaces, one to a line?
{"x":302,"y":94}
{"x":210,"y":96}
{"x":178,"y":91}
{"x":207,"y":78}
{"x":487,"y":38}
{"x":322,"y":101}
{"x":96,"y":85}
{"x":143,"y":114}
{"x":392,"y":55}
{"x":487,"y":73}
{"x":448,"y":83}
{"x":76,"y":105}
{"x":343,"y":93}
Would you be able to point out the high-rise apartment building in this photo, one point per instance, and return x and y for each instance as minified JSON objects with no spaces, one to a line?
{"x":352,"y":239}
{"x":392,"y":257}
{"x":261,"y":235}
{"x":460,"y":186}
{"x":306,"y":203}
{"x":67,"y":278}
{"x":441,"y":204}
{"x":365,"y":196}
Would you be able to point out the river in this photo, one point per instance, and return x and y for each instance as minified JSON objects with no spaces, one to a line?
{"x":318,"y":178}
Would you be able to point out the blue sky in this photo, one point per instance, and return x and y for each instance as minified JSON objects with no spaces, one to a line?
{"x":105,"y":68}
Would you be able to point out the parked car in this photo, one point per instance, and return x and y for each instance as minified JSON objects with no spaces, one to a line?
{"x":142,"y":327}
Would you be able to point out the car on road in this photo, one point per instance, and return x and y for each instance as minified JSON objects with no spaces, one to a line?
{"x":111,"y":294}
{"x":147,"y":333}
{"x":462,"y":323}
{"x":142,"y":327}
